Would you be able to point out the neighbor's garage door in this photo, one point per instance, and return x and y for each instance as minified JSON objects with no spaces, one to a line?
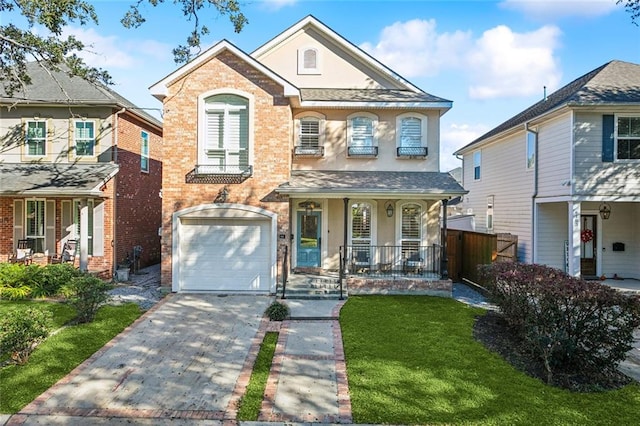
{"x":224,"y":255}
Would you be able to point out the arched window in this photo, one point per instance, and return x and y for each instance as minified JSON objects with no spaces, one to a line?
{"x":410,"y":229}
{"x":309,"y":134}
{"x":361,"y":224}
{"x":361,"y":134}
{"x":226,"y":133}
{"x":308,"y":61}
{"x":412,"y":135}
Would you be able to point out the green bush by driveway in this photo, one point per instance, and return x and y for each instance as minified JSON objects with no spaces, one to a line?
{"x":413,"y":360}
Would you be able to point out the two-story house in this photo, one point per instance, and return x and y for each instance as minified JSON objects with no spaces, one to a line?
{"x":79,"y":162}
{"x":564,"y":175}
{"x":308,"y":143}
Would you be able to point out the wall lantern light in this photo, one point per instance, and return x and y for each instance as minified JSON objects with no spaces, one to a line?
{"x":605,"y":211}
{"x":389,"y":208}
{"x":308,"y":207}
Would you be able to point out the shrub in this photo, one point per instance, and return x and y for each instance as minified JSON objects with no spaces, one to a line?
{"x":278,"y":311}
{"x":86,"y":293}
{"x":53,"y":278}
{"x":573,"y":326}
{"x":13,"y":282}
{"x":21,"y":330}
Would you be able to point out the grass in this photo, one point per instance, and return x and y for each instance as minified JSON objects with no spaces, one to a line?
{"x":62,"y":313}
{"x":249,"y":408}
{"x":413,"y":360}
{"x":60,"y":353}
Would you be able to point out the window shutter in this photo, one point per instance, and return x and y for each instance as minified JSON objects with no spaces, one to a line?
{"x":362,"y":131}
{"x":607,"y":138}
{"x":309,"y":133}
{"x":18,"y":224}
{"x":50,"y":226}
{"x":98,"y":230}
{"x":361,"y":224}
{"x":215,"y":127}
{"x":66,"y":222}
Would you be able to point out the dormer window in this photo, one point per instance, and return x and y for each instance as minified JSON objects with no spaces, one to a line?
{"x":309,"y":61}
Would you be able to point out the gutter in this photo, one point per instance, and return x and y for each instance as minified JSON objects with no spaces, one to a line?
{"x":114,"y":243}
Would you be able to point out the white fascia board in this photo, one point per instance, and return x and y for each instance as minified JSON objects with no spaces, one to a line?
{"x":394,"y":105}
{"x":342,"y":42}
{"x":363,"y":193}
{"x":160,"y":89}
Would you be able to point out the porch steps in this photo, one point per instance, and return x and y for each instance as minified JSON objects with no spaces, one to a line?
{"x":310,"y":286}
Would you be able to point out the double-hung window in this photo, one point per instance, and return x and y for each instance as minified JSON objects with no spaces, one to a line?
{"x":628,"y":138}
{"x":309,"y":136}
{"x":412,"y":131}
{"x":226,"y":139}
{"x":361,"y":135}
{"x":36,"y":138}
{"x":84,"y":138}
{"x":477,"y":162}
{"x":144,"y":151}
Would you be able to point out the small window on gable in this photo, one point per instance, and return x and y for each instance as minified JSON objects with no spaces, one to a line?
{"x":628,"y":138}
{"x":308,"y":61}
{"x":531,"y":150}
{"x":477,"y":162}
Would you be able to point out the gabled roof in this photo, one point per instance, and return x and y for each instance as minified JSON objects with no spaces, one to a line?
{"x":159,"y":89}
{"x":387,"y":183}
{"x":353,"y":50}
{"x":59,"y":88}
{"x":614,"y":83}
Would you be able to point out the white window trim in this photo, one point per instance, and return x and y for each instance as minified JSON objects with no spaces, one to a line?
{"x":374,"y":220}
{"x":309,"y":71}
{"x":144,"y":155}
{"x":322,"y":123}
{"x":424,"y":238}
{"x":473,"y":165}
{"x":529,"y":165}
{"x":46,"y":138}
{"x":424,"y":127}
{"x":202,"y":116}
{"x":75,"y":139}
{"x":44,"y":221}
{"x":615,"y":139}
{"x":374,"y":123}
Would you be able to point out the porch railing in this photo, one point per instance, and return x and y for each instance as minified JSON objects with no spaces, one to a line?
{"x":391,"y":261}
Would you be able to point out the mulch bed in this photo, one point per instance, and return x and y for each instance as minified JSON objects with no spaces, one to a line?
{"x":491,"y":330}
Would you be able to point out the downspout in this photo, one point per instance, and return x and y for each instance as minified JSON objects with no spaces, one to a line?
{"x":114,"y":158}
{"x":534,"y":217}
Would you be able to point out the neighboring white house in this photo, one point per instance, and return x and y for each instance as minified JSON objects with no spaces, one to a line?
{"x":564,"y":176}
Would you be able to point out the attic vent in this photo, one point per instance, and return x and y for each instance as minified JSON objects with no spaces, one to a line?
{"x":308,"y":61}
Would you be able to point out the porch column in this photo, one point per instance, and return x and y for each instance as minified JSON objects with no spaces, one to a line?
{"x":346,"y":233}
{"x":84,"y":235}
{"x":573,"y":234}
{"x":444,"y":260}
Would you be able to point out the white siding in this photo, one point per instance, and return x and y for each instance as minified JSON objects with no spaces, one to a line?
{"x":623,"y":226}
{"x":554,"y":157}
{"x":552,"y":229}
{"x":503,"y":175}
{"x":592,"y":176}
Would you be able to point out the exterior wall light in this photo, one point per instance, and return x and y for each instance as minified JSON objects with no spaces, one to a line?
{"x":605,"y":211}
{"x":389,"y":208}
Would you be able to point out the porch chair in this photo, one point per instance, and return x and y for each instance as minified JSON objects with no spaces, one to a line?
{"x":23,"y":253}
{"x":361,"y":260}
{"x":68,"y":254}
{"x":413,"y":264}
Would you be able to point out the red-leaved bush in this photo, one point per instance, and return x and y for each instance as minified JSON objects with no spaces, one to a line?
{"x":573,"y":325}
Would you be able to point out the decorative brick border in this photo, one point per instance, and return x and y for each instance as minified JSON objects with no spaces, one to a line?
{"x":267,"y":413}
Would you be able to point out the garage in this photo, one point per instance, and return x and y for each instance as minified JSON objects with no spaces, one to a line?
{"x":224,"y":249}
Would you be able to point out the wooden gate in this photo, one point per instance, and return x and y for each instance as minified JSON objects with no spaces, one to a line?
{"x":466,"y":250}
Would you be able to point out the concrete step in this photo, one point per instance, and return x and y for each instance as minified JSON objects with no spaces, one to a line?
{"x":303,"y":286}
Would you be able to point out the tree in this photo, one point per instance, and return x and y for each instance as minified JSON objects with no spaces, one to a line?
{"x":633,"y":7}
{"x":18,"y":46}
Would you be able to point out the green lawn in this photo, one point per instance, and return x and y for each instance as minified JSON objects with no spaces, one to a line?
{"x":60,"y":353}
{"x":413,"y":360}
{"x":252,"y":400}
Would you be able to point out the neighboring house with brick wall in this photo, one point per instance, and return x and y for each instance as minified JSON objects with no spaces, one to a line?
{"x":79,"y":162}
{"x":564,"y":176}
{"x":307,"y":143}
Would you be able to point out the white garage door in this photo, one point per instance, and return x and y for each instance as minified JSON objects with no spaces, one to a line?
{"x":225,"y":255}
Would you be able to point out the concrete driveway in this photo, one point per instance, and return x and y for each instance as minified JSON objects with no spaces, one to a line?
{"x":181,"y":360}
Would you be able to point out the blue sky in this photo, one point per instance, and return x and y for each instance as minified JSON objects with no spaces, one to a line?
{"x":491,"y":58}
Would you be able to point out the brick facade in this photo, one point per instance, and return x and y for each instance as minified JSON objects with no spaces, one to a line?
{"x":272,"y":127}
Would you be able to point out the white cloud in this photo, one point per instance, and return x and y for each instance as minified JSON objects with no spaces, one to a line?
{"x":278,"y":4}
{"x":426,"y":55}
{"x":556,"y":9}
{"x":501,"y":63}
{"x":454,"y":137}
{"x":507,"y":64}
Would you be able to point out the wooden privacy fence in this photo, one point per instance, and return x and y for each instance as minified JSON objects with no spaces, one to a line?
{"x":466,"y":250}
